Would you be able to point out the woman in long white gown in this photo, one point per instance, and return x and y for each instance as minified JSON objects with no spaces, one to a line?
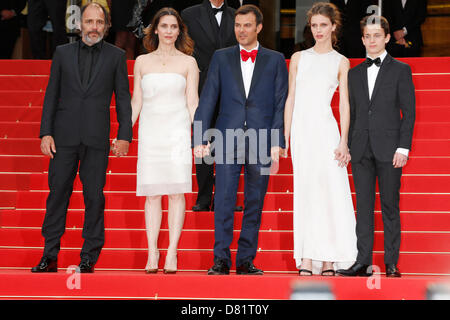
{"x":165,"y":98}
{"x":324,"y":219}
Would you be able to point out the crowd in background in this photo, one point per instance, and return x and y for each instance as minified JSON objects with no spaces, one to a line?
{"x":129,"y":17}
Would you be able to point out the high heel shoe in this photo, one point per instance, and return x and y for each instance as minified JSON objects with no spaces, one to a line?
{"x":149,"y":270}
{"x":170,"y":269}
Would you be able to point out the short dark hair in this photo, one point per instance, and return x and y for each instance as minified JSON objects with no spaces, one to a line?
{"x":374,"y":19}
{"x":249,"y":8}
{"x":105,"y":13}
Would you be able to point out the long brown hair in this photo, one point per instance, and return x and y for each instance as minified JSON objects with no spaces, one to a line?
{"x":330,"y":11}
{"x":184,"y":43}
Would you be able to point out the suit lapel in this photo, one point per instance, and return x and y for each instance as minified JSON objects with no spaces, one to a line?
{"x":225,"y":29}
{"x":205,"y":22}
{"x":235,"y":64}
{"x":260,"y":63}
{"x":365,"y":82}
{"x":381,"y":76}
{"x":76,"y":64}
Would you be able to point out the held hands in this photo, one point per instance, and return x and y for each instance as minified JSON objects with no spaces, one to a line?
{"x":48,"y":147}
{"x":202,"y":151}
{"x":120,"y":147}
{"x":342,"y":155}
{"x":399,"y":160}
{"x":275,"y":153}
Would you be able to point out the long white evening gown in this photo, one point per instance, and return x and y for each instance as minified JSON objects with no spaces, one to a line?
{"x":164,"y":163}
{"x":324,"y":219}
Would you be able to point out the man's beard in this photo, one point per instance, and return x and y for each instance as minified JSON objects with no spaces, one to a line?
{"x":91,"y":41}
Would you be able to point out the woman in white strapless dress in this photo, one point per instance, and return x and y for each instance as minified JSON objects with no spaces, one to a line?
{"x":324,"y":218}
{"x":165,"y":98}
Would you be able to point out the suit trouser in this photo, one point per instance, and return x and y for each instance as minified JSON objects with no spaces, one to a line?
{"x":61,"y":174}
{"x":204,"y":173}
{"x":205,"y":179}
{"x":365,"y":173}
{"x":255,"y":187}
{"x":38,"y":12}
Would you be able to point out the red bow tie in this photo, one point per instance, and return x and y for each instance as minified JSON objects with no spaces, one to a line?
{"x":245,"y":55}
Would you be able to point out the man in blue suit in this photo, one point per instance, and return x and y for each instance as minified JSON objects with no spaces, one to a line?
{"x":252,"y":84}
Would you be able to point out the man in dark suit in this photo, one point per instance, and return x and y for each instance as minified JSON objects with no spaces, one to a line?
{"x":352,"y":13}
{"x":251,"y":83}
{"x":9,"y":25}
{"x":405,"y":18}
{"x":382,"y":115}
{"x":238,"y":3}
{"x":38,"y":13}
{"x":75,"y":130}
{"x":210,"y":25}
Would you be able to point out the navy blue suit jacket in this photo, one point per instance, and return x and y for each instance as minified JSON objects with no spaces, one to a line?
{"x":264,"y":107}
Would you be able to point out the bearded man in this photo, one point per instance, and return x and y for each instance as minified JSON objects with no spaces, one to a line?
{"x":75,"y":130}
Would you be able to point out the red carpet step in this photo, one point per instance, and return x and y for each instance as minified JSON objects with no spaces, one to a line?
{"x":191,"y":285}
{"x":202,"y":260}
{"x":281,"y":201}
{"x":428,"y":221}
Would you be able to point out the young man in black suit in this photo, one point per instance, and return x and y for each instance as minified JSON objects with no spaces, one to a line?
{"x":379,"y":141}
{"x":405,"y":18}
{"x":211,"y":26}
{"x":75,"y":129}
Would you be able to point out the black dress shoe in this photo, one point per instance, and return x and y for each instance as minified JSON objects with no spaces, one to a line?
{"x":238,"y":208}
{"x":392,"y":271}
{"x":356,"y":270}
{"x":198,"y":208}
{"x":86,"y":266}
{"x":46,"y":265}
{"x":220,"y":267}
{"x":249,"y":268}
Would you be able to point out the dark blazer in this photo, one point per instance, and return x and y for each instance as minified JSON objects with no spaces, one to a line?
{"x":236,"y":3}
{"x":350,"y":43}
{"x":200,"y":22}
{"x":264,"y":107}
{"x":73,"y":114}
{"x":378,"y":120}
{"x":411,"y":17}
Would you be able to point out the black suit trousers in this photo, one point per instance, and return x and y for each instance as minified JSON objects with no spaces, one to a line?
{"x":62,"y":171}
{"x":365,"y":173}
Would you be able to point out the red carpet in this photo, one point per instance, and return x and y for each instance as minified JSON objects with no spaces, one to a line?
{"x":425,"y":213}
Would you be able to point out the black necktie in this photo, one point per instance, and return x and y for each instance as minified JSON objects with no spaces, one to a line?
{"x":87,"y":66}
{"x":217,"y":10}
{"x":370,"y":62}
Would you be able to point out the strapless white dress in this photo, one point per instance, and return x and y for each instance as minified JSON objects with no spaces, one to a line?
{"x":164,"y":163}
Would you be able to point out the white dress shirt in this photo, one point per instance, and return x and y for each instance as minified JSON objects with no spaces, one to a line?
{"x":219,"y":14}
{"x":372,"y":74}
{"x":404,"y":3}
{"x":247,"y":68}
